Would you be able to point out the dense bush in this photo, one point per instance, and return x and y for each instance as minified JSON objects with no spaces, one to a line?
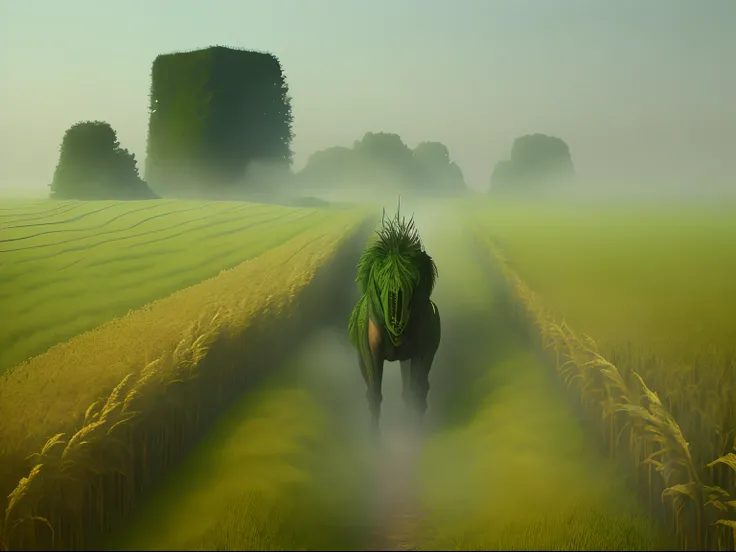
{"x":92,"y":165}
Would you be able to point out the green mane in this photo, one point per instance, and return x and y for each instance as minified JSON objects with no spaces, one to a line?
{"x":393,"y":269}
{"x":398,"y":250}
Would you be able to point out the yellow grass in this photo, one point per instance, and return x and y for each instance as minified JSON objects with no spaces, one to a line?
{"x":653,"y":285}
{"x":58,"y":392}
{"x":509,"y":466}
{"x":282,"y":470}
{"x":636,"y":421}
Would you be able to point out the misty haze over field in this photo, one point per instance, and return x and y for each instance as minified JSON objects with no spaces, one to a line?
{"x":641,"y":91}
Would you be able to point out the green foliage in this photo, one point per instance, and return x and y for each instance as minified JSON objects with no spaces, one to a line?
{"x":537,"y":160}
{"x":397,"y":254}
{"x":385,"y":149}
{"x":92,"y":165}
{"x":382,"y":162}
{"x":179,"y":104}
{"x":394,"y":272}
{"x":439,"y":173}
{"x":213,"y":112}
{"x":503,"y":176}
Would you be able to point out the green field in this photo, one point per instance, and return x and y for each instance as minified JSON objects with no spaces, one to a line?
{"x":653,"y":286}
{"x":659,"y":277}
{"x":68,"y":266}
{"x":507,"y":465}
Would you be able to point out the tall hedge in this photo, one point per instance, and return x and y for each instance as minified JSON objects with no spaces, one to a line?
{"x":92,"y":165}
{"x":212,"y":112}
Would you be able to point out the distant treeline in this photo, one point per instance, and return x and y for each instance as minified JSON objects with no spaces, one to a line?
{"x":220,"y":126}
{"x":382,"y":162}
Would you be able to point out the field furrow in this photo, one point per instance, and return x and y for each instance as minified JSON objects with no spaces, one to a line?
{"x":48,"y":299}
{"x":14,"y":212}
{"x":104,"y":259}
{"x":106,"y":219}
{"x":124,"y":229}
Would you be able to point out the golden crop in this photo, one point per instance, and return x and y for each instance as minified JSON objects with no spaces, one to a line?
{"x":160,"y":388}
{"x":635,"y":421}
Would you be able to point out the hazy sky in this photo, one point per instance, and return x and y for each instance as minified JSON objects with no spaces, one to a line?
{"x":636,"y":87}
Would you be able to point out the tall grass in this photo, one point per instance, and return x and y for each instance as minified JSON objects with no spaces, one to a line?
{"x":284,"y":469}
{"x":508,"y":465}
{"x":102,"y":457}
{"x":635,"y":421}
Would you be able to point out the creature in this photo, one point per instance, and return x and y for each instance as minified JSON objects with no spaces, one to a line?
{"x":395,"y":318}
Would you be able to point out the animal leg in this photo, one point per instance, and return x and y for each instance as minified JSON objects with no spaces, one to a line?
{"x":375,"y":397}
{"x":420,"y":368}
{"x":422,"y":363}
{"x":376,"y":380}
{"x":373,"y":393}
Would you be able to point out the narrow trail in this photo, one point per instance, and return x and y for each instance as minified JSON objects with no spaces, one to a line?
{"x":397,"y":506}
{"x":503,"y":464}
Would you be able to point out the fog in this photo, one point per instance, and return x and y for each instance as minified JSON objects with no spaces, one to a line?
{"x":639,"y":90}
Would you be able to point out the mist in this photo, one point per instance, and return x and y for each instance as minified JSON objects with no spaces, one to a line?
{"x":638,"y":90}
{"x":639,"y":97}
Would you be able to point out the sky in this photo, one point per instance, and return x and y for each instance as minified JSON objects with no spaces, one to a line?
{"x":643,"y":91}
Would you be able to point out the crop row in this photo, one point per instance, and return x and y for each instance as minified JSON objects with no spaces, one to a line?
{"x":93,"y":232}
{"x":101,"y":457}
{"x":638,"y":424}
{"x":52,"y":299}
{"x":16,"y":211}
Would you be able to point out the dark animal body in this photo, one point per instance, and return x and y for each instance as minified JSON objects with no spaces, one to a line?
{"x":395,"y":319}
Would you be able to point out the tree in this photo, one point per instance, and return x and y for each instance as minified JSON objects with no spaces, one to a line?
{"x":537,"y":161}
{"x":92,"y":165}
{"x":328,"y":168}
{"x":385,"y":162}
{"x":382,"y":162}
{"x":213,"y":112}
{"x":439,"y":173}
{"x":502,"y":178}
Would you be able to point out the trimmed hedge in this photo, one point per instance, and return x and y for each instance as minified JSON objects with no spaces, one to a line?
{"x":212,"y":112}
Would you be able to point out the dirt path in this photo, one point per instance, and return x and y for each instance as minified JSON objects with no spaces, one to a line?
{"x":504,"y":465}
{"x":397,"y":506}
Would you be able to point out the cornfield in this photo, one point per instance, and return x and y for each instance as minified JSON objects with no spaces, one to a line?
{"x":698,"y":496}
{"x":81,"y":483}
